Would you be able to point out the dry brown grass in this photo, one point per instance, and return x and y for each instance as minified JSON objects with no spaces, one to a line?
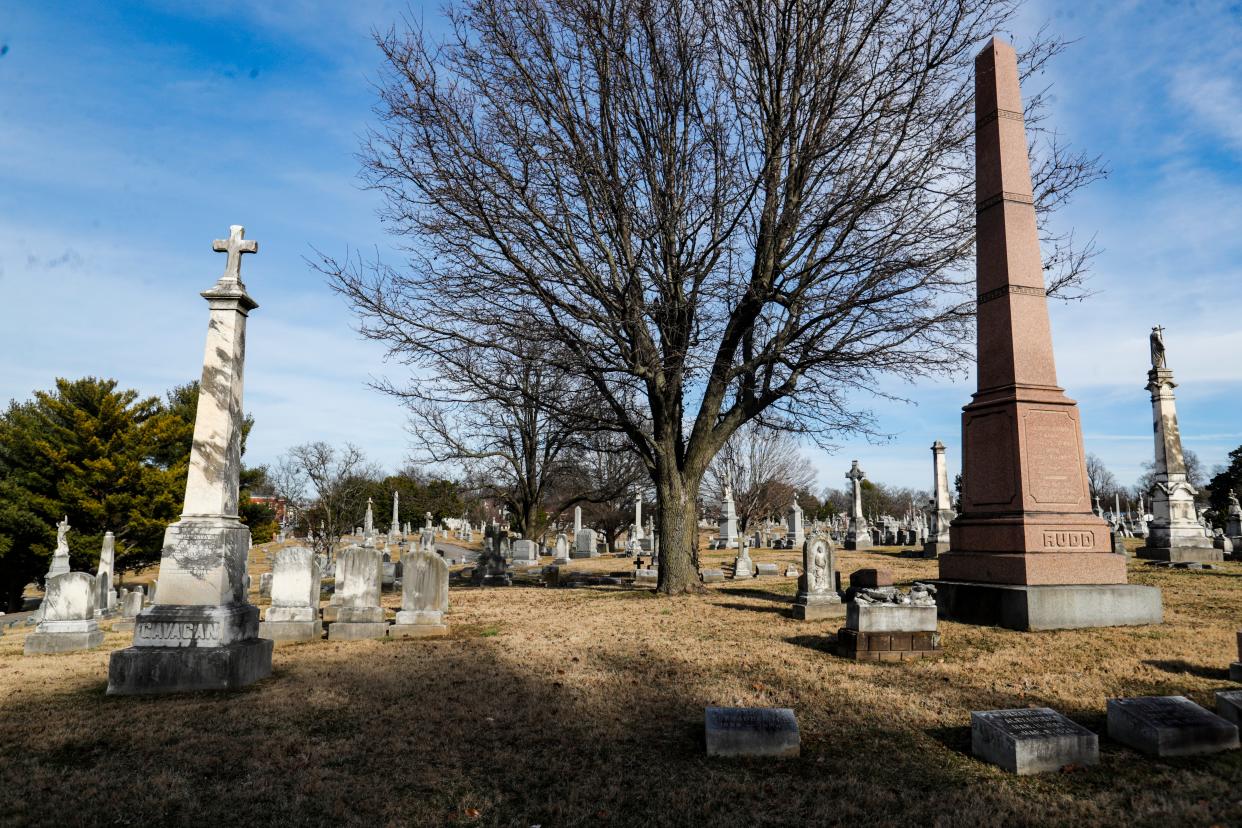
{"x":584,"y":706}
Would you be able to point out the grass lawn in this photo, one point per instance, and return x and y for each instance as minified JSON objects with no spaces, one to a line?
{"x":585,"y":706}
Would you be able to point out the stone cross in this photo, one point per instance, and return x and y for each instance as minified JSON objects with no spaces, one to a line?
{"x":235,"y":246}
{"x":856,"y":475}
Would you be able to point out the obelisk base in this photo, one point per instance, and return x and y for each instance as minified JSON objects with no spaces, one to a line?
{"x":1034,"y":568}
{"x":182,"y":648}
{"x":1048,"y":606}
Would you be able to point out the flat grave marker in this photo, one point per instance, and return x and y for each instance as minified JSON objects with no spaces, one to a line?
{"x":1169,"y":726}
{"x":1031,"y":740}
{"x":751,"y":731}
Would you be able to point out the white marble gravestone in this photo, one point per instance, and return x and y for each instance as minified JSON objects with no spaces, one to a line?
{"x":67,"y":623}
{"x":294,"y":613}
{"x":560,"y":554}
{"x":106,"y":601}
{"x":424,"y":597}
{"x":525,"y":553}
{"x":203,"y":632}
{"x":354,"y":610}
{"x":817,"y":586}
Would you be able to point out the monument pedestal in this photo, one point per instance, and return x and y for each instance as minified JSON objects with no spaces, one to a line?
{"x":1048,"y":606}
{"x":1182,"y":554}
{"x":817,"y":607}
{"x":184,"y":648}
{"x":63,"y":637}
{"x":418,"y":624}
{"x":291,"y":624}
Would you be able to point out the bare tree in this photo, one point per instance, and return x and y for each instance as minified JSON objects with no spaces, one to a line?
{"x":602,"y":474}
{"x":338,"y":478}
{"x":1101,"y":481}
{"x":711,"y":212}
{"x":485,"y":410}
{"x":765,"y":468}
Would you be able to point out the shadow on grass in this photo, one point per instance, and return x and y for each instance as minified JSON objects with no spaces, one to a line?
{"x":1178,"y":666}
{"x":820,"y":643}
{"x":956,"y":739}
{"x":755,"y":593}
{"x":753,"y":608}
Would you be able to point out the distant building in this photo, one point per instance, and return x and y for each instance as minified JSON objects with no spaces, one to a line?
{"x":276,"y":504}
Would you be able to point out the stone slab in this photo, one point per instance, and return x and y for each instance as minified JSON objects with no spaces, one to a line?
{"x":1169,"y":726}
{"x":712,"y":576}
{"x":751,"y":731}
{"x":45,"y":643}
{"x":417,"y":630}
{"x":356,"y":630}
{"x":150,"y":670}
{"x":1031,"y":740}
{"x":1229,"y":705}
{"x":291,"y":630}
{"x":1049,"y":607}
{"x":890,"y":618}
{"x":1182,"y":554}
{"x":767,"y":570}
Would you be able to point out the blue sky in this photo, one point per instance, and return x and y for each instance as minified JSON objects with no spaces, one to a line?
{"x":135,"y":133}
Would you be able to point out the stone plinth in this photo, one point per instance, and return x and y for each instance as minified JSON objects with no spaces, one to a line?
{"x":890,"y":618}
{"x":886,"y":646}
{"x":181,"y":648}
{"x":1055,"y":607}
{"x":751,"y":731}
{"x":712,"y":576}
{"x":1169,"y":726}
{"x":767,"y":570}
{"x":1031,"y":740}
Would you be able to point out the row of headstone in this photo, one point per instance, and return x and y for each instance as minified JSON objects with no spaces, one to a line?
{"x":1041,"y":740}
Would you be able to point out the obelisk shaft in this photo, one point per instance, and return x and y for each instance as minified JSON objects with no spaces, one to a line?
{"x":1026,"y":512}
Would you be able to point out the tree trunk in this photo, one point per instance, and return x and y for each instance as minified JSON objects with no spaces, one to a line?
{"x":679,"y":532}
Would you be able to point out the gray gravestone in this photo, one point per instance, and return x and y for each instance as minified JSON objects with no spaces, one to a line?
{"x":1169,"y":726}
{"x":712,"y":576}
{"x":1035,"y":740}
{"x":354,"y":610}
{"x":751,"y":731}
{"x":1229,"y":705}
{"x":424,"y":597}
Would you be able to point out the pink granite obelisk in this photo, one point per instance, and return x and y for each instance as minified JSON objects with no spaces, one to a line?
{"x":1026,"y":516}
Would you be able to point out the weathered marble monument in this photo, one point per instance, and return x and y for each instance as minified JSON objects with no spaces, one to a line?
{"x":1174,"y":533}
{"x":105,"y":603}
{"x":294,"y":613}
{"x":728,"y":538}
{"x":354,"y":610}
{"x":793,"y":526}
{"x":941,"y":513}
{"x":817,"y":585}
{"x":60,"y":557}
{"x":1026,"y":552}
{"x":424,"y":597}
{"x":202,"y":632}
{"x":67,"y":622}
